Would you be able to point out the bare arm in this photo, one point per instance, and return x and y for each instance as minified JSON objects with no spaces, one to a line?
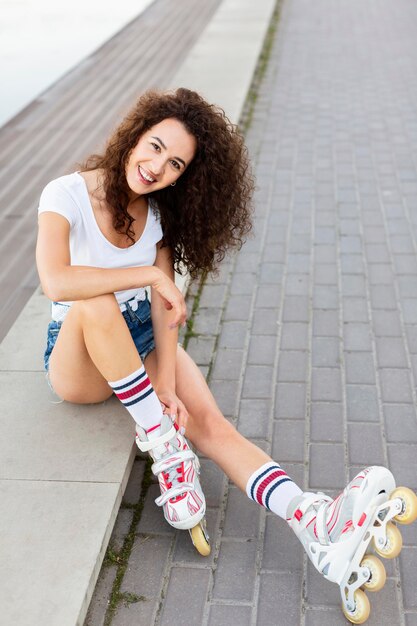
{"x":65,"y":282}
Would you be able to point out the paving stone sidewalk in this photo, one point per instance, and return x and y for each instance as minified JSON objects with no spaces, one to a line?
{"x":308,"y":336}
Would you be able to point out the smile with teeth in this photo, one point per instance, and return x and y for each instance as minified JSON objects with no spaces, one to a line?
{"x":145,"y":175}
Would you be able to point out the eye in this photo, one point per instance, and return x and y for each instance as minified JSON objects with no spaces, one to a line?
{"x":156,"y":146}
{"x":176,"y":165}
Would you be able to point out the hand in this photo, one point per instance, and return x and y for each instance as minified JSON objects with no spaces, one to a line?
{"x":172,"y":298}
{"x":172,"y":405}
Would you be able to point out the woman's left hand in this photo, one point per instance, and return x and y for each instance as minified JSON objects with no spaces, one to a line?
{"x":173,"y":406}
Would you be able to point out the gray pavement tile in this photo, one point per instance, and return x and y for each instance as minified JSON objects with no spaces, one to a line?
{"x":212,"y":296}
{"x":296,"y":309}
{"x":386,"y":323}
{"x":268,"y":296}
{"x":225,"y":615}
{"x":326,"y":421}
{"x":254,"y":417}
{"x":207,"y":321}
{"x":271,"y":273}
{"x":325,"y":274}
{"x":242,"y":516}
{"x":351,"y":264}
{"x":410,"y":619}
{"x":243,"y":283}
{"x":325,"y":323}
{"x":356,"y":336}
{"x":147,"y":581}
{"x":409,"y":308}
{"x":411,"y":333}
{"x":355,"y":309}
{"x":365,"y":444}
{"x":383,"y":297}
{"x":282,"y":551}
{"x":326,"y":466}
{"x":362,"y":403}
{"x":319,"y":591}
{"x":294,"y":336}
{"x":227,"y":364}
{"x":257,"y":382}
{"x":326,"y":384}
{"x":100,"y":600}
{"x":395,"y":385}
{"x":292,"y":366}
{"x":237,"y":308}
{"x":246,"y":261}
{"x":324,"y":617}
{"x":401,"y":458}
{"x":121,"y":529}
{"x":288,"y":440}
{"x":380,"y":274}
{"x":407,"y":286}
{"x":297,"y":285}
{"x":390,"y":352}
{"x":360,"y":368}
{"x":233,"y":335}
{"x":262,"y":350}
{"x":234,"y":578}
{"x":290,"y":400}
{"x":141,"y":613}
{"x":400,"y":423}
{"x":152,"y":519}
{"x":265,"y":322}
{"x":201,"y":349}
{"x":326,"y":297}
{"x":325,"y":352}
{"x":134,"y":485}
{"x":408,"y":564}
{"x":281,"y":590}
{"x":185,"y":597}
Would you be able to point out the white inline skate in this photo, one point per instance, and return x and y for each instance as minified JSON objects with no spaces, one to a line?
{"x":177,"y":468}
{"x":337,"y":534}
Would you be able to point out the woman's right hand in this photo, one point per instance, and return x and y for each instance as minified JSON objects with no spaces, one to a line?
{"x":171,"y":297}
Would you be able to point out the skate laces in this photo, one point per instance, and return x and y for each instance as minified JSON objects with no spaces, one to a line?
{"x":171,"y":465}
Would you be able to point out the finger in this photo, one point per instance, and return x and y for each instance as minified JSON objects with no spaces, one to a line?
{"x":182,"y":418}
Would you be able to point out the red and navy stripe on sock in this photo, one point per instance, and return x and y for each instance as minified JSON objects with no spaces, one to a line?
{"x":134,"y":390}
{"x":266,"y":482}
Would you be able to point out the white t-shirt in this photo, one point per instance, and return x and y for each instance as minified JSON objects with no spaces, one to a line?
{"x":68,"y":196}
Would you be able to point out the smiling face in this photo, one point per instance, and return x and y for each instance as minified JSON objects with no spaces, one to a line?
{"x":161,"y":155}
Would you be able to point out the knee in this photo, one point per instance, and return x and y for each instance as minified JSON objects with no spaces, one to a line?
{"x":99,"y":310}
{"x":211,"y":429}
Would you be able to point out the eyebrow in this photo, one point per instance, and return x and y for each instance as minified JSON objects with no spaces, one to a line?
{"x":164,"y":146}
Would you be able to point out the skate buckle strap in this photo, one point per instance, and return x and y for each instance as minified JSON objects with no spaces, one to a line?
{"x":170,"y":461}
{"x":145,"y":446}
{"x":173,"y":493}
{"x":321,"y":524}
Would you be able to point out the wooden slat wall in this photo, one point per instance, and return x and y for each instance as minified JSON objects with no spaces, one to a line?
{"x":72,"y":119}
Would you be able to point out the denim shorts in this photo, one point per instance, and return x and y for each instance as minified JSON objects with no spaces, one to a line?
{"x":138,"y":322}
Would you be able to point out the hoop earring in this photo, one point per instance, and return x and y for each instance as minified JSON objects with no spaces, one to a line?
{"x":173,"y":184}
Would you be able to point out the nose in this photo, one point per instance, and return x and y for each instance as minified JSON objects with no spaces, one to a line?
{"x":157,"y":166}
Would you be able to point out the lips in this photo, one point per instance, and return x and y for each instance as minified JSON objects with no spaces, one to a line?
{"x":144,"y":176}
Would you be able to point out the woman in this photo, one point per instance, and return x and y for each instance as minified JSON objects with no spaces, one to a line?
{"x":172,"y":188}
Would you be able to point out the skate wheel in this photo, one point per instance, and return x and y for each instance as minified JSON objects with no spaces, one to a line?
{"x":409,"y":499}
{"x":200,"y":540}
{"x":362,"y":608}
{"x":393,"y":544}
{"x":378,"y":573}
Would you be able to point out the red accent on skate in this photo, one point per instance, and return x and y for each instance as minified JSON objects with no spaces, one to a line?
{"x":132,"y":392}
{"x":362,"y":519}
{"x":153,"y":428}
{"x":298,"y":515}
{"x":267,"y":481}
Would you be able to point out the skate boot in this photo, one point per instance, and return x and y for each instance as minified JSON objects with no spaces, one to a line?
{"x":177,"y":469}
{"x":337,"y":534}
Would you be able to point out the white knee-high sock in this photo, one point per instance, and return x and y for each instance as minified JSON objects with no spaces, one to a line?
{"x":136,"y":393}
{"x":272,"y":488}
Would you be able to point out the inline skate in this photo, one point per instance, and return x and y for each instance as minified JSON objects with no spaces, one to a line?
{"x":177,"y":468}
{"x":339,"y":534}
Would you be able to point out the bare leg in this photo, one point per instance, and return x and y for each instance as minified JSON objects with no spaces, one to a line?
{"x":94,"y":345}
{"x":207,"y":428}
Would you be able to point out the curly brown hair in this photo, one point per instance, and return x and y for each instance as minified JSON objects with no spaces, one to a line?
{"x":209,"y":210}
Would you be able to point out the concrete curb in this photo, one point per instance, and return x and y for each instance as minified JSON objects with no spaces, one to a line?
{"x":65,"y":468}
